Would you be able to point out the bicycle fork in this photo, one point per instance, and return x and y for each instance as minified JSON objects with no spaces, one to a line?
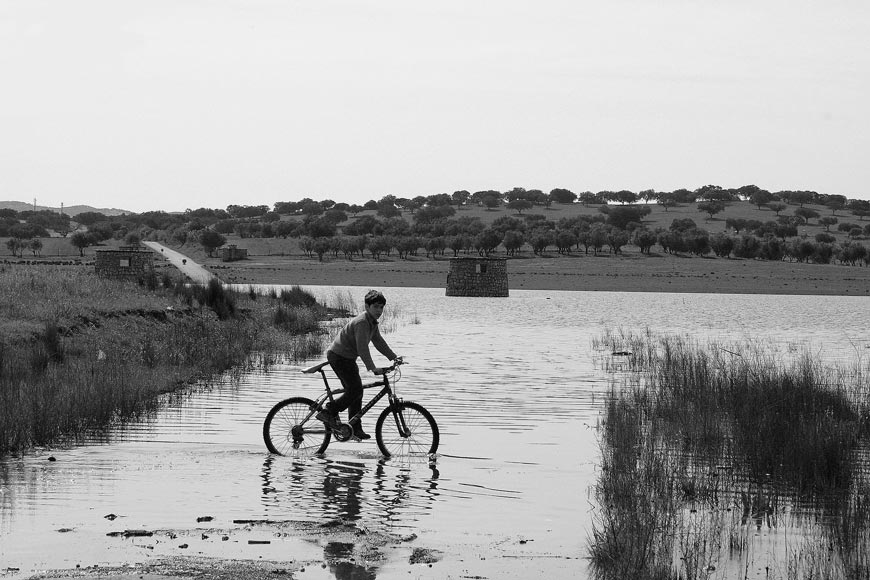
{"x":402,"y":427}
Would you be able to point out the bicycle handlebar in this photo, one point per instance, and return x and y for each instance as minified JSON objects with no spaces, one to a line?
{"x":397,"y":362}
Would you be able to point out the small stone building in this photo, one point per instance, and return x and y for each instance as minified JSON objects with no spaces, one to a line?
{"x":125,"y":262}
{"x":477,"y":276}
{"x":232,"y":253}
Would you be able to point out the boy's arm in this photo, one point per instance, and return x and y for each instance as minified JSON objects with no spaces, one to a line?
{"x":382,"y":345}
{"x":362,"y":347}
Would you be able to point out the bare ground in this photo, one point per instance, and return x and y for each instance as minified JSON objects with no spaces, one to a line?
{"x":629,"y":273}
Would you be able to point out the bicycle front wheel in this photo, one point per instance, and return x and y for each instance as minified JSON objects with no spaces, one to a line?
{"x":406,"y":429}
{"x":286,"y":432}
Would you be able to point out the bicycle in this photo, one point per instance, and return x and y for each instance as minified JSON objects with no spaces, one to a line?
{"x":403,"y":427}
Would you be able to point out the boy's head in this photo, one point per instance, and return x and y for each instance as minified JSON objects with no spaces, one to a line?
{"x":375,"y":297}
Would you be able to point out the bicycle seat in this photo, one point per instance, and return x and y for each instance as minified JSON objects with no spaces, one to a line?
{"x":315,"y":368}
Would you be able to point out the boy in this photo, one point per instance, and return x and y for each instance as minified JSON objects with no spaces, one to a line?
{"x":352,"y":343}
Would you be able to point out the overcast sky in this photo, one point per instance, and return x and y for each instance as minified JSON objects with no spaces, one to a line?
{"x":174,"y":104}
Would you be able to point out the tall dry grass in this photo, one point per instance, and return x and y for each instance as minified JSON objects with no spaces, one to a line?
{"x":704,"y":445}
{"x":80,"y":352}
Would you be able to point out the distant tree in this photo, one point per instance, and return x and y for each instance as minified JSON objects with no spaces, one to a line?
{"x":772,"y":249}
{"x":247,"y":211}
{"x":747,"y":247}
{"x":644,"y":239}
{"x":647,"y":195}
{"x":620,"y":216}
{"x":491,"y":202}
{"x":565,"y":240}
{"x":284,"y":228}
{"x":616,"y":239}
{"x":825,"y":238}
{"x":801,"y":197}
{"x":518,"y":205}
{"x":722,"y":245}
{"x":761,"y":197}
{"x":89,"y":218}
{"x":306,"y":244}
{"x":27,"y":231}
{"x":15,"y":246}
{"x":714,"y":193}
{"x":435,"y":245}
{"x":321,"y":247}
{"x":806,"y":213}
{"x":859,"y":207}
{"x":540,"y":240}
{"x":835,"y":203}
{"x":851,"y":253}
{"x":685,"y":196}
{"x":846,"y":226}
{"x":461,"y":197}
{"x":225,"y":226}
{"x":379,"y":245}
{"x":513,"y":241}
{"x":776,"y":207}
{"x":211,"y":240}
{"x":624,"y":196}
{"x":827,"y":222}
{"x":487,"y":241}
{"x":667,"y":201}
{"x":564,"y":196}
{"x":35,"y":246}
{"x":82,"y":240}
{"x":801,"y":250}
{"x":711,"y":208}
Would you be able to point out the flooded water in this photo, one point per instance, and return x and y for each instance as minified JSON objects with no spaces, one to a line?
{"x":517,"y":391}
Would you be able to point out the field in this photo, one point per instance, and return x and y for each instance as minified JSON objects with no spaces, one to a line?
{"x":280,"y":261}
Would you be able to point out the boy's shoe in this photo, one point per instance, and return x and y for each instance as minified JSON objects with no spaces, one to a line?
{"x":329,"y":419}
{"x":359,"y":434}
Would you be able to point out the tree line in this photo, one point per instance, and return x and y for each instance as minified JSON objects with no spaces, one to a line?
{"x":323,"y":227}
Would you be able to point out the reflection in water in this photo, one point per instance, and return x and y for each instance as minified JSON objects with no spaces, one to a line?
{"x":339,"y":556}
{"x":393,"y":494}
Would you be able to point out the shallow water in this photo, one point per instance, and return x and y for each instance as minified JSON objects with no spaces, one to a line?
{"x":514,"y":384}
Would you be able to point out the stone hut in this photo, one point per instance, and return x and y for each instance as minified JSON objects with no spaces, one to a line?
{"x":232,"y":253}
{"x":477,"y":276}
{"x":125,"y":262}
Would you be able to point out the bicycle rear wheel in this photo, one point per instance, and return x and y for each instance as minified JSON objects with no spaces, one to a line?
{"x":420,"y":436}
{"x":285,"y":434}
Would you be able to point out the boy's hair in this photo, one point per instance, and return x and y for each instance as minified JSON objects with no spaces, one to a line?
{"x":375,"y":297}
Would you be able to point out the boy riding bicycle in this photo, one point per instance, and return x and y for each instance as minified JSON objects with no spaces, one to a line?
{"x":352,"y":343}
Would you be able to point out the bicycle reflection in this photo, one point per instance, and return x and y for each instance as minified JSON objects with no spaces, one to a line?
{"x":388,"y":496}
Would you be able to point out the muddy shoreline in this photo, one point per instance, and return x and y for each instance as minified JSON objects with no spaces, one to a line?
{"x":662,"y":273}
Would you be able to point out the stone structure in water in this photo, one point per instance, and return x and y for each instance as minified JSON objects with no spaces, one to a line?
{"x":477,"y":276}
{"x":125,"y":262}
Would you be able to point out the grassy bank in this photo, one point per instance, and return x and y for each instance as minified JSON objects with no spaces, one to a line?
{"x":78,"y":352}
{"x":707,"y":447}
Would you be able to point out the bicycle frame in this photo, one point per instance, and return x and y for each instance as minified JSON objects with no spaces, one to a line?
{"x":385,"y":391}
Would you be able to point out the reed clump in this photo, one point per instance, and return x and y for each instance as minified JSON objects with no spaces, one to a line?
{"x":78,"y":352}
{"x":702,"y":444}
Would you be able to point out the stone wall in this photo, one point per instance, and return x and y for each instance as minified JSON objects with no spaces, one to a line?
{"x":471,"y":276}
{"x":125,"y":262}
{"x":232,"y":253}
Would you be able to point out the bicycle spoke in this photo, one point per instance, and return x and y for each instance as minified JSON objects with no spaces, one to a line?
{"x":420,"y":437}
{"x":285,"y":433}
